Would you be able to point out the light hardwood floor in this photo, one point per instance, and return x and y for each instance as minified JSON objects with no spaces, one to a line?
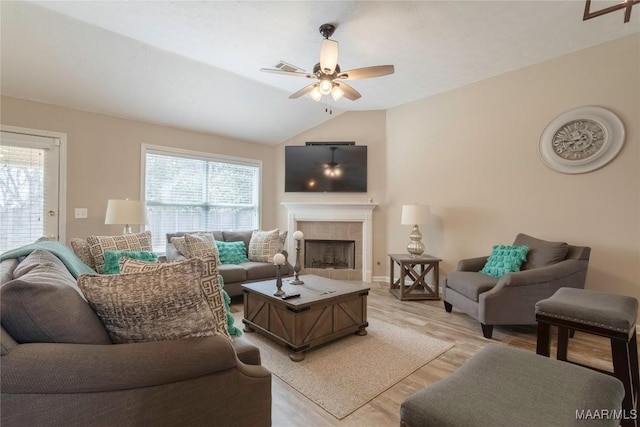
{"x":290,"y":408}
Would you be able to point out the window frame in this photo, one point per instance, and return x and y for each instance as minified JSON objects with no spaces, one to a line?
{"x":197,"y":155}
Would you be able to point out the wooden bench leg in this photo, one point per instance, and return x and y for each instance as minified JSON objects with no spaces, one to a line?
{"x":543,"y":346}
{"x":563,"y":343}
{"x":622,"y":370}
{"x":633,"y":356}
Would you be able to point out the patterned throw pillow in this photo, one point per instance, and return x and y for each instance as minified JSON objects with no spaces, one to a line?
{"x":81,"y":248}
{"x":112,"y":258}
{"x":201,"y":245}
{"x":505,"y":259}
{"x":180,"y":245}
{"x":165,"y":304}
{"x":126,"y":242}
{"x":232,"y":252}
{"x":210,"y":285}
{"x":264,"y":245}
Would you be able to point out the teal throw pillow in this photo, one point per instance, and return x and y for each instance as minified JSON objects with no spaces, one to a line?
{"x":232,"y":252}
{"x":111,"y":259}
{"x":505,"y":259}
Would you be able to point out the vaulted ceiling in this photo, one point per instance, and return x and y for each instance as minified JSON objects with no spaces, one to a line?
{"x":195,"y":64}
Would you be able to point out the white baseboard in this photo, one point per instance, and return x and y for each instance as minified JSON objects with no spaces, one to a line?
{"x":383,"y":279}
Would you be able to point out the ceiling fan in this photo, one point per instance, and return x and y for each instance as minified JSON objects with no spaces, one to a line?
{"x":330,"y":79}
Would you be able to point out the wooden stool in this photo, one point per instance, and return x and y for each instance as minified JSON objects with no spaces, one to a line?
{"x":599,"y":313}
{"x":504,"y":386}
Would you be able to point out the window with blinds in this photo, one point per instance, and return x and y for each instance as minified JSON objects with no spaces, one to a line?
{"x":23,"y":191}
{"x":199,"y":192}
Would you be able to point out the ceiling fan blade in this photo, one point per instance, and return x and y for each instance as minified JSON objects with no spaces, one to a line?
{"x":349,"y":92}
{"x":366,"y":72}
{"x":288,"y":73}
{"x":328,"y":56}
{"x":305,"y":90}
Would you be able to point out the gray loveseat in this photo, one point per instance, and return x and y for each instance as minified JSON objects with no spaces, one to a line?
{"x":59,"y":367}
{"x":234,"y":275}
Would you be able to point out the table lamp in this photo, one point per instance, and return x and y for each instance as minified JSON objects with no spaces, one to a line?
{"x":414,"y":215}
{"x":126,"y":212}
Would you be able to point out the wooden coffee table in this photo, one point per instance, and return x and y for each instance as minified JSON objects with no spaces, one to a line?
{"x":325,"y":310}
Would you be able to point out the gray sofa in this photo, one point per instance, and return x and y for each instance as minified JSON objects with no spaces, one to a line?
{"x":234,"y":275}
{"x":511,"y":299}
{"x":59,"y":367}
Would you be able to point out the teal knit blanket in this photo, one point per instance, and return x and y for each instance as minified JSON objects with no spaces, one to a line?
{"x":233,"y":330}
{"x":75,"y":266}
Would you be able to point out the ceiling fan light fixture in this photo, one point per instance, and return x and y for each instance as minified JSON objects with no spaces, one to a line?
{"x":325,"y":86}
{"x":315,"y":94}
{"x":337,"y":93}
{"x":333,"y":172}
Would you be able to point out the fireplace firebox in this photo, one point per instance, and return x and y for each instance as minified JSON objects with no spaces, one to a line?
{"x":336,"y":254}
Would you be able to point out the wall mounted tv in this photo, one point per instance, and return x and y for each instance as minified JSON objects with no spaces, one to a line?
{"x":326,"y":168}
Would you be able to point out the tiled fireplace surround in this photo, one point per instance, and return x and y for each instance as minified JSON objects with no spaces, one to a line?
{"x":334,"y":221}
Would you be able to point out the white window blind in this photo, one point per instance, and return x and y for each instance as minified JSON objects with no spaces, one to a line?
{"x":199,"y":193}
{"x":23,"y":189}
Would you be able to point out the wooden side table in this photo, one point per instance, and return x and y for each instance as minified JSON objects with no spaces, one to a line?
{"x":418,"y":289}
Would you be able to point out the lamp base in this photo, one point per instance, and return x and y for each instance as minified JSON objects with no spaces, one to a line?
{"x":415,"y":246}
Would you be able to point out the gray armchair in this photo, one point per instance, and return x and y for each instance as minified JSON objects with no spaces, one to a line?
{"x":511,"y":299}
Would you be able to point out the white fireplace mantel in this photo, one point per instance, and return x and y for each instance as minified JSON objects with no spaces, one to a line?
{"x":335,"y":212}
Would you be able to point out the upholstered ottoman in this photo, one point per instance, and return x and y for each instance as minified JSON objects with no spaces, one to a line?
{"x":608,"y":315}
{"x":503,"y":386}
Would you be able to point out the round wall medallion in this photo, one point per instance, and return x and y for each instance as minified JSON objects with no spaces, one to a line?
{"x":581,"y":140}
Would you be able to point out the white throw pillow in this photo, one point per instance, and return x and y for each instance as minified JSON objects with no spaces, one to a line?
{"x":264,"y":245}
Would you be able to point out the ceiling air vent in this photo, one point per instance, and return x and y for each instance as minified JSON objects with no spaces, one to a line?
{"x":284,"y":66}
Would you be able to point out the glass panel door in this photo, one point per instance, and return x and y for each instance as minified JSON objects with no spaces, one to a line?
{"x":29,"y":186}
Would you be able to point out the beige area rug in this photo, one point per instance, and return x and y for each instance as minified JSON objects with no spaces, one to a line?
{"x":345,"y":374}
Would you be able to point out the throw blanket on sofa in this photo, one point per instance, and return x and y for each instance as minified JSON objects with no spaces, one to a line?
{"x":233,"y":330}
{"x":67,"y":256}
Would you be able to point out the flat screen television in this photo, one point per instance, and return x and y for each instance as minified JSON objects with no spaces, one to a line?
{"x":325,"y":168}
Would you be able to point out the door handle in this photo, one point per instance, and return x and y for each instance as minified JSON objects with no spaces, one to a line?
{"x":51,"y":213}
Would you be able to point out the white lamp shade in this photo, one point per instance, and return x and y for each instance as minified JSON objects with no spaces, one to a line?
{"x":315,"y":94}
{"x":415,"y":214}
{"x":125,"y":212}
{"x":325,"y":86}
{"x":337,"y":93}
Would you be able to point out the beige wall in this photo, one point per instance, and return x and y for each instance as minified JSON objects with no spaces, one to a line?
{"x":471,"y":154}
{"x":365,"y":128}
{"x":103,"y":157}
